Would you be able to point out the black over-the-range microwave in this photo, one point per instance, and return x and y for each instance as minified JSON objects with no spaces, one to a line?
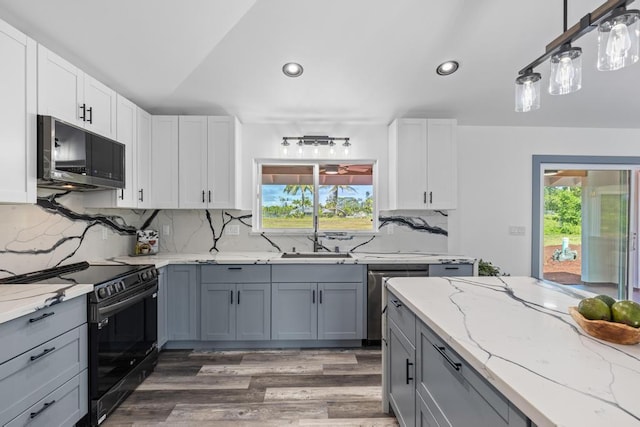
{"x":73,"y":158}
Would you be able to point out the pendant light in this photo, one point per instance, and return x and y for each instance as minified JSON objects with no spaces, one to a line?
{"x":618,"y":46}
{"x":618,"y":41}
{"x":566,"y":71}
{"x":528,"y":91}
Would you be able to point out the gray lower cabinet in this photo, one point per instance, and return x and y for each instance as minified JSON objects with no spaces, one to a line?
{"x":231,"y":311}
{"x":323,"y":302}
{"x":162,"y":307}
{"x":429,"y":384}
{"x":235,"y":302}
{"x":43,"y":381}
{"x":182,"y":305}
{"x":444,"y":270}
{"x":401,"y":375}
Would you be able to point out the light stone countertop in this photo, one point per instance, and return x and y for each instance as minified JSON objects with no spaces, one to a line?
{"x":20,"y":300}
{"x":248,"y":257}
{"x":516,"y":332}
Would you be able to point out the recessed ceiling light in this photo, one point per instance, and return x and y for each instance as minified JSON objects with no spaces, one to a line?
{"x":447,"y":67}
{"x":292,"y":69}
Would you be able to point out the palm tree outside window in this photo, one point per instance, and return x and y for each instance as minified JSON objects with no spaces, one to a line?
{"x":339,"y":196}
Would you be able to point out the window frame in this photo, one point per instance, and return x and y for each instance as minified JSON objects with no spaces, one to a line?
{"x":257,"y":199}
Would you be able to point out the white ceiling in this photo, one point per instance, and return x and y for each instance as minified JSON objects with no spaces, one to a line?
{"x":365,"y":60}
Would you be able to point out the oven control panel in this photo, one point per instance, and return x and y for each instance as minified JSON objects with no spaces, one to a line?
{"x":111,"y":289}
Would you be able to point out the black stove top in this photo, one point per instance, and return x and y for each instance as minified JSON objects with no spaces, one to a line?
{"x":109,"y":281}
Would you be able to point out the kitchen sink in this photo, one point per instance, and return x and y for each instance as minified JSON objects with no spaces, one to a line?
{"x":322,"y":255}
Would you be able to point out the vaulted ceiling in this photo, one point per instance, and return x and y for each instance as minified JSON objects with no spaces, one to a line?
{"x":364,"y":60}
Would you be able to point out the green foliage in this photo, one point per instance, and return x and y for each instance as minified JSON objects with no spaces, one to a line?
{"x":485,"y":268}
{"x":563,"y":210}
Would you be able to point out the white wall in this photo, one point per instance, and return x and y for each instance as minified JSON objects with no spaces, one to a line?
{"x":495,"y":178}
{"x":262,"y":141}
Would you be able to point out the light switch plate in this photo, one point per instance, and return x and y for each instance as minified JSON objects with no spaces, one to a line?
{"x":166,"y":230}
{"x":517,"y":230}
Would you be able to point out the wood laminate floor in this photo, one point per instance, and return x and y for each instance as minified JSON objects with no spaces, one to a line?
{"x":318,"y":387}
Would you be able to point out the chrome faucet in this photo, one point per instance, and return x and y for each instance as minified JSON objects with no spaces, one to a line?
{"x":317,"y":245}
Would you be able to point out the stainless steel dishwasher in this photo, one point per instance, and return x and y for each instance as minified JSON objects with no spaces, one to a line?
{"x":375,"y":277}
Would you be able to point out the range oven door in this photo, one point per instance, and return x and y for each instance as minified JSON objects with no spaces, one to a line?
{"x":122,"y":336}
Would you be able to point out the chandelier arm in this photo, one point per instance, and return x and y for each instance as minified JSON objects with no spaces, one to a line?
{"x":586,"y":24}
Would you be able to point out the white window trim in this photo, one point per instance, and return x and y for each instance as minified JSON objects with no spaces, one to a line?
{"x":257,"y":187}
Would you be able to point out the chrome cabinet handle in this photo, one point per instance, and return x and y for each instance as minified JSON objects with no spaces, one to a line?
{"x":454,"y":365}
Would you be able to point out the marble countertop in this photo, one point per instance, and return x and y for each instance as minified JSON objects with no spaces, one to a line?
{"x":20,"y":300}
{"x":248,"y":257}
{"x":517,"y":333}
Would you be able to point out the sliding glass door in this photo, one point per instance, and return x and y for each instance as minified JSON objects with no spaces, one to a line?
{"x":586,"y":226}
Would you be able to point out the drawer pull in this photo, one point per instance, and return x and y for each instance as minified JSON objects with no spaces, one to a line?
{"x":452,"y":268}
{"x":231,"y":296}
{"x":44,"y":316}
{"x":39,"y":411}
{"x":409,"y":364}
{"x":396,"y":303}
{"x":238,"y":298}
{"x":454,"y":365}
{"x":313,"y":297}
{"x":44,"y":353}
{"x":320,"y":298}
{"x":234,"y":268}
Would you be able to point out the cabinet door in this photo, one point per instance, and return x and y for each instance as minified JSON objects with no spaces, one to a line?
{"x":223,"y":133}
{"x":182,"y":303}
{"x":60,"y":87}
{"x":407,"y":164}
{"x":425,"y":417}
{"x":162,"y":306}
{"x":401,"y":376}
{"x":295,"y":311}
{"x":218,"y":311}
{"x":194,"y":190}
{"x":441,"y":164}
{"x":253,"y":311}
{"x":164,"y":162}
{"x":126,"y":133}
{"x":100,"y":102}
{"x":17,"y":116}
{"x":143,"y":160}
{"x":340,"y":311}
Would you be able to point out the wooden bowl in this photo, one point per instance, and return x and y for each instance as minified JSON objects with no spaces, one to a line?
{"x":617,"y":333}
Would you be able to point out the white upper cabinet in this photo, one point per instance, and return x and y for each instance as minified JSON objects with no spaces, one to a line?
{"x":143,"y":160}
{"x":66,"y":92}
{"x":164,"y":162}
{"x":194,"y":189}
{"x":223,"y":158}
{"x":126,"y":133}
{"x":17,"y":116}
{"x":422,"y":164}
{"x":208,"y":153}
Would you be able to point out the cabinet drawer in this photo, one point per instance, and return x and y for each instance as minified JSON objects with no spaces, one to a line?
{"x":464,"y":397}
{"x":443,"y":270}
{"x":235,"y":273}
{"x":318,"y":273}
{"x":21,"y":334}
{"x":402,"y":316}
{"x":34,"y":374}
{"x":62,"y":407}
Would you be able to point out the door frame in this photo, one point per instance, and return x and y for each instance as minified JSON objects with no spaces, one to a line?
{"x":537,"y":202}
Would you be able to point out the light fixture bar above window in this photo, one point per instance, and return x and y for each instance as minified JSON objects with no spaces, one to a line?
{"x":315,"y":140}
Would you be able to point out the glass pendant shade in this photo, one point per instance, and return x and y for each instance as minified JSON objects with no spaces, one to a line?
{"x":528,"y":92}
{"x":619,"y":41}
{"x":566,"y":71}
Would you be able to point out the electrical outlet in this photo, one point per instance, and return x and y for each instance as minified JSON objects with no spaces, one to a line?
{"x":517,"y":230}
{"x":233,"y":230}
{"x":166,"y":230}
{"x":105,"y":234}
